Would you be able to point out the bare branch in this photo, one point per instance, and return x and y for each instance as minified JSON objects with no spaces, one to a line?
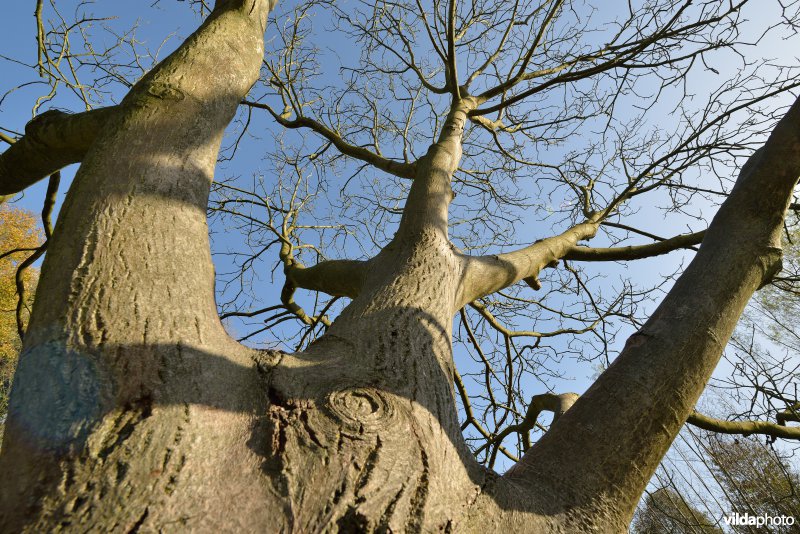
{"x":635,"y":252}
{"x":452,"y":68}
{"x":47,"y":223}
{"x":744,"y":428}
{"x":546,"y":402}
{"x":486,"y":274}
{"x":402,"y":170}
{"x":604,"y":59}
{"x":789,"y":414}
{"x":339,"y":278}
{"x":521,"y":74}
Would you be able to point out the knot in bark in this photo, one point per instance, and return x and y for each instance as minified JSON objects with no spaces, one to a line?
{"x":165,"y":91}
{"x":42,"y":119}
{"x":361,"y":409}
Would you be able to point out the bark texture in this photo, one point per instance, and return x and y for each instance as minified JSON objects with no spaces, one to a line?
{"x":127,"y":383}
{"x":52,"y":140}
{"x":133,"y":411}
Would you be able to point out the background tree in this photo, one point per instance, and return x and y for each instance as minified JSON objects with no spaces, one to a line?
{"x":667,"y":511}
{"x":754,"y":478}
{"x":719,"y":475}
{"x":132,"y":408}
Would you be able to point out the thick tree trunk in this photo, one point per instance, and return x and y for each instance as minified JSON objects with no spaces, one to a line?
{"x":128,"y":386}
{"x":132,"y":410}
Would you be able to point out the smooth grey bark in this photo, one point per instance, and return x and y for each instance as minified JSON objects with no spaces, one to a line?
{"x":132,"y":410}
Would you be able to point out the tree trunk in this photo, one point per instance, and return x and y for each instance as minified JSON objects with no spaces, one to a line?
{"x":132,"y":410}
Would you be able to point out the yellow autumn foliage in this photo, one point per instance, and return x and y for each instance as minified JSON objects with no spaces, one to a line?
{"x":18,"y":229}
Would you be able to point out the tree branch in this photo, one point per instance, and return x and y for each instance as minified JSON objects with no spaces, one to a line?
{"x":546,"y":402}
{"x":338,"y":278}
{"x":744,"y":428}
{"x":521,"y":74}
{"x":472,"y":420}
{"x":52,"y":140}
{"x":396,"y":168}
{"x":606,"y":58}
{"x":452,"y":68}
{"x":47,"y":224}
{"x":789,"y":414}
{"x":484,"y":275}
{"x":635,"y":252}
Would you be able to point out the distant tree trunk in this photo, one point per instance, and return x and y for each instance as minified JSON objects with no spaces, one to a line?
{"x":132,"y":410}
